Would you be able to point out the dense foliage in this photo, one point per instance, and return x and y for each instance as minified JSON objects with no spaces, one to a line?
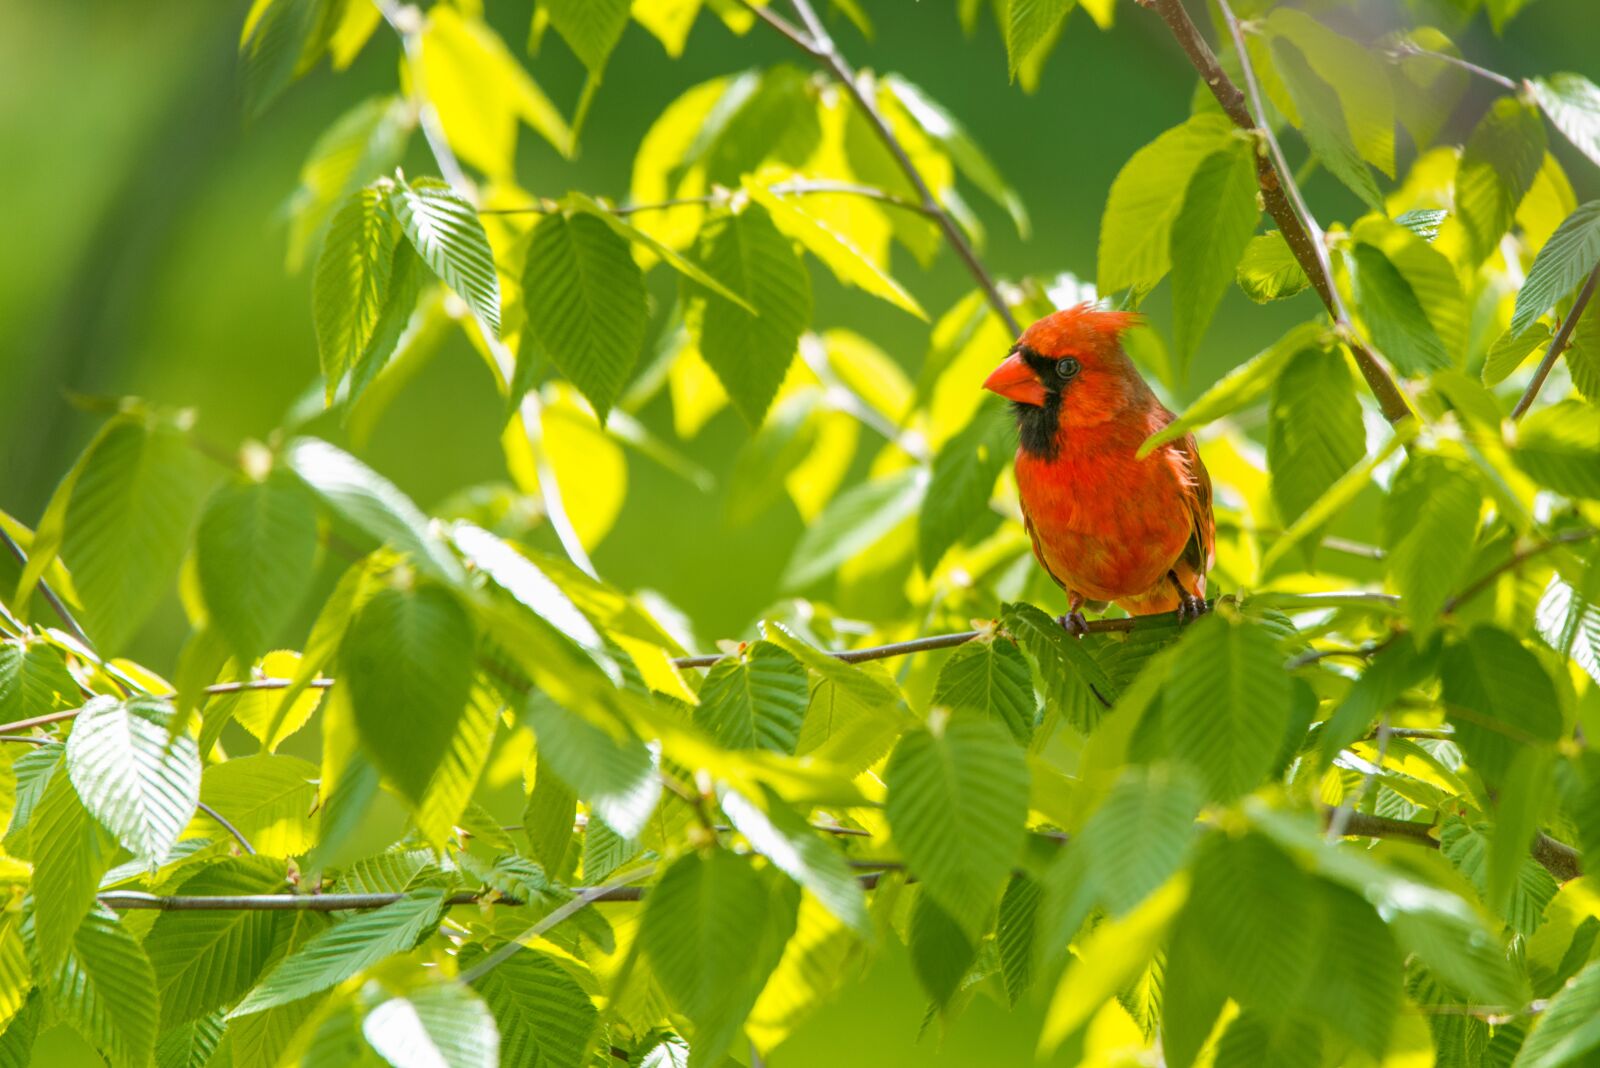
{"x":1340,"y":820}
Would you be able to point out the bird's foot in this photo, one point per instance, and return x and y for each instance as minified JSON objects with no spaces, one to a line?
{"x":1190,"y":608}
{"x":1074,"y":623}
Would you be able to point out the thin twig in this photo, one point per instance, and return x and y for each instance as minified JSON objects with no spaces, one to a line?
{"x":1406,"y":49}
{"x":238,"y":835}
{"x":1339,"y":822}
{"x":57,"y":605}
{"x":1511,"y":563}
{"x":816,"y":43}
{"x":801,"y":187}
{"x":1281,"y":196}
{"x":1557,"y":346}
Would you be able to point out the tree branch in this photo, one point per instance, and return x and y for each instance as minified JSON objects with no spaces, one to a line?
{"x":1279,"y":191}
{"x":57,"y":605}
{"x":1406,"y":49}
{"x":815,"y":42}
{"x":1514,"y":561}
{"x":238,"y":835}
{"x":802,"y":187}
{"x":1558,"y":345}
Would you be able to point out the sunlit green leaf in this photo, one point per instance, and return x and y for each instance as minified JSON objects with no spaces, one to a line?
{"x":1268,"y":271}
{"x":1570,"y":254}
{"x":441,"y":1024}
{"x":964,"y":474}
{"x":990,"y":679}
{"x":104,"y":988}
{"x":855,"y":521}
{"x":755,"y":700}
{"x":1498,"y":166}
{"x":1573,"y":104}
{"x":446,"y":233}
{"x":1315,"y":432}
{"x":544,"y":1016}
{"x":138,"y":781}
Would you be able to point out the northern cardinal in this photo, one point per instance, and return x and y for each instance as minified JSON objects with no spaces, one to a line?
{"x":1105,"y":525}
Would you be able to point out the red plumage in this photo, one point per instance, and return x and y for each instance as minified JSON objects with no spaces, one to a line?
{"x":1105,"y":524}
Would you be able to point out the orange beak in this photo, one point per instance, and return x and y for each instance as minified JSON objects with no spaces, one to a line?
{"x":1015,"y":380}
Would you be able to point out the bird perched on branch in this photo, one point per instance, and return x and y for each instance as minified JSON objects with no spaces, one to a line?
{"x":1105,"y":524}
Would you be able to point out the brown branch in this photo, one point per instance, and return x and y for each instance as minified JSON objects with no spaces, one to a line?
{"x":816,"y":43}
{"x":1279,"y":191}
{"x":1558,"y":858}
{"x":1557,"y":346}
{"x":800,"y":187}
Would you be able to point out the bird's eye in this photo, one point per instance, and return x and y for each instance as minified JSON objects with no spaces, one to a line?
{"x":1067,"y":368}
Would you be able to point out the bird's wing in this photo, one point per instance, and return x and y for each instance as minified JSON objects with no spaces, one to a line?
{"x":1038,"y":550}
{"x":1201,"y":551}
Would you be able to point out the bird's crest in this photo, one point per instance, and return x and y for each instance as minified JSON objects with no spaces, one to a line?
{"x":1080,"y":329}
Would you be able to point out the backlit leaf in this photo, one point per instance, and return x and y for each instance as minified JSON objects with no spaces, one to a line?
{"x":446,"y":233}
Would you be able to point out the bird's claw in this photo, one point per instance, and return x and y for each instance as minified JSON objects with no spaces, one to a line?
{"x":1191,"y":608}
{"x":1074,"y":623}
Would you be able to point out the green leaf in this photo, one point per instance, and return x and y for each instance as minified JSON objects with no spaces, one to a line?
{"x":1569,"y":1028}
{"x":254,"y":552}
{"x":446,"y":233}
{"x":1583,"y":353}
{"x":1392,"y":314}
{"x":1226,"y":708}
{"x":1570,"y":254}
{"x":138,"y":781}
{"x":127,"y":524}
{"x":1140,"y":835}
{"x":104,"y":988}
{"x":989,"y":679}
{"x":268,"y":798}
{"x":1314,"y":433}
{"x":852,"y":523}
{"x":1255,"y":1037}
{"x":351,"y":284}
{"x":287,"y":38}
{"x":586,"y":303}
{"x":1028,"y":24}
{"x":941,"y":951}
{"x":363,"y":143}
{"x":191,"y":1045}
{"x":1075,"y":684}
{"x":1430,"y":274}
{"x":1573,"y":104}
{"x":1499,"y":699}
{"x":408,"y":660}
{"x":616,"y":777}
{"x":671,"y":256}
{"x":1570,"y":623}
{"x":1146,"y":199}
{"x":34,"y":681}
{"x":1324,"y":122}
{"x":714,"y":928}
{"x":756,"y":700}
{"x":1498,"y":166}
{"x":16,"y":1043}
{"x":1430,"y":521}
{"x":1014,"y":935}
{"x":1510,"y":351}
{"x":372,"y":503}
{"x":442,"y":1024}
{"x":1357,"y":76}
{"x":205,"y":961}
{"x":346,"y":948}
{"x":1268,"y":271}
{"x":1559,"y":447}
{"x":1467,"y":849}
{"x":545,"y":1018}
{"x":71,"y":851}
{"x":964,"y":474}
{"x":591,"y":27}
{"x":958,"y":800}
{"x":750,"y":353}
{"x":1209,"y":235}
{"x":780,"y":834}
{"x":1424,"y":222}
{"x":1243,"y":385}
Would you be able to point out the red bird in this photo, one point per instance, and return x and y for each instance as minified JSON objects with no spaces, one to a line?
{"x":1105,"y":525}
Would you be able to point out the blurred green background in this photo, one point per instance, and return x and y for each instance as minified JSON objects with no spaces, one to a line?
{"x":145,"y":236}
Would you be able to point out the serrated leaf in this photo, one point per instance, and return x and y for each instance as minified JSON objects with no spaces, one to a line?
{"x":1268,"y":271}
{"x":852,"y":523}
{"x":138,"y":781}
{"x":445,"y":231}
{"x":1583,"y":353}
{"x":714,"y":928}
{"x":34,"y":681}
{"x":351,"y":284}
{"x":190,"y":1045}
{"x":1570,"y":624}
{"x":747,"y":254}
{"x":616,"y":777}
{"x":1499,"y":699}
{"x":285,"y":40}
{"x":1392,"y":313}
{"x":1145,"y":199}
{"x":104,"y":988}
{"x":957,"y":803}
{"x":360,"y":145}
{"x":755,"y":701}
{"x":1510,"y":351}
{"x":1075,"y":684}
{"x":1430,"y":520}
{"x":408,"y":660}
{"x":71,"y":851}
{"x":371,"y":502}
{"x":268,"y":798}
{"x":1569,"y":1028}
{"x":1571,"y":253}
{"x":1315,"y":433}
{"x":1224,"y":709}
{"x":1028,"y":24}
{"x":254,"y":552}
{"x":127,"y":524}
{"x":1324,"y":122}
{"x":441,"y":1025}
{"x":545,"y":1018}
{"x":343,"y":950}
{"x":780,"y":834}
{"x":1357,"y":76}
{"x":964,"y":474}
{"x":1498,"y":166}
{"x":1467,"y":849}
{"x":1139,"y":836}
{"x":591,"y":27}
{"x":204,"y":961}
{"x":1573,"y":104}
{"x":586,"y":303}
{"x":989,"y":679}
{"x":672,"y":257}
{"x":1209,"y":235}
{"x":1559,"y":447}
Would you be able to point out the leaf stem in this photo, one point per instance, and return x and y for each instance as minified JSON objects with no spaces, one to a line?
{"x":815,"y":42}
{"x":1281,"y":195}
{"x":796,"y":187}
{"x":57,"y":605}
{"x":1407,"y":49}
{"x":1514,"y":561}
{"x":238,"y":835}
{"x":1558,"y":345}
